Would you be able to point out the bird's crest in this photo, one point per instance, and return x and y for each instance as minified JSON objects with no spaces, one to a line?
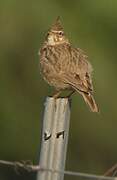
{"x":57,"y":25}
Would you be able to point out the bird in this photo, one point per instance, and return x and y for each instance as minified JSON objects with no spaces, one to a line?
{"x":65,"y":67}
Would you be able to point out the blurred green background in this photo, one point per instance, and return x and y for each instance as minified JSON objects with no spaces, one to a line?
{"x":90,"y":25}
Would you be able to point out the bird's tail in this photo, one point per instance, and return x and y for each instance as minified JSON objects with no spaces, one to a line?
{"x":89,"y":99}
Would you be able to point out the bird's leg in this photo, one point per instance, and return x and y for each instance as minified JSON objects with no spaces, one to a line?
{"x":56,"y":94}
{"x":70,"y":94}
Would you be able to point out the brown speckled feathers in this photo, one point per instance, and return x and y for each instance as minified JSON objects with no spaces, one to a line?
{"x":65,"y":67}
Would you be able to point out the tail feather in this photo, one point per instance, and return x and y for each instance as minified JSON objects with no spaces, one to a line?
{"x":89,"y":99}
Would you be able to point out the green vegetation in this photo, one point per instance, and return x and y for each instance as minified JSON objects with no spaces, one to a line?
{"x":90,"y":25}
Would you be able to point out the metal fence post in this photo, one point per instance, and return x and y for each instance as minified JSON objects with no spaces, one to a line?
{"x":54,"y":140}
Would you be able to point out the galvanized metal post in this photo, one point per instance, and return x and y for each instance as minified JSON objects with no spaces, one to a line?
{"x":54,"y":141}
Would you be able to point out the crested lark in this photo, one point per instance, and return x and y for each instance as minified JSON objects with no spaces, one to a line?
{"x":66,"y":67}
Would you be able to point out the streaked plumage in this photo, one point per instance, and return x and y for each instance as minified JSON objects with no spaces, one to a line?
{"x":66,"y":67}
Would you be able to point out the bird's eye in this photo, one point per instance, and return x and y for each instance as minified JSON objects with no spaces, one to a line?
{"x":48,"y":34}
{"x":60,"y":33}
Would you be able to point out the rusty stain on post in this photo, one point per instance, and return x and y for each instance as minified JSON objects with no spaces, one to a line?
{"x":54,"y":140}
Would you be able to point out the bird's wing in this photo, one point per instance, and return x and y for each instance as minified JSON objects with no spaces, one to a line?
{"x":79,"y":73}
{"x":76,"y":83}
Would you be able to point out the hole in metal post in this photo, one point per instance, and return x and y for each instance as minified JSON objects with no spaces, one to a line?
{"x":47,"y":136}
{"x":62,"y":133}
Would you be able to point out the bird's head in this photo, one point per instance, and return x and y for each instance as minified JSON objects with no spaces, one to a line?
{"x":56,"y":34}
